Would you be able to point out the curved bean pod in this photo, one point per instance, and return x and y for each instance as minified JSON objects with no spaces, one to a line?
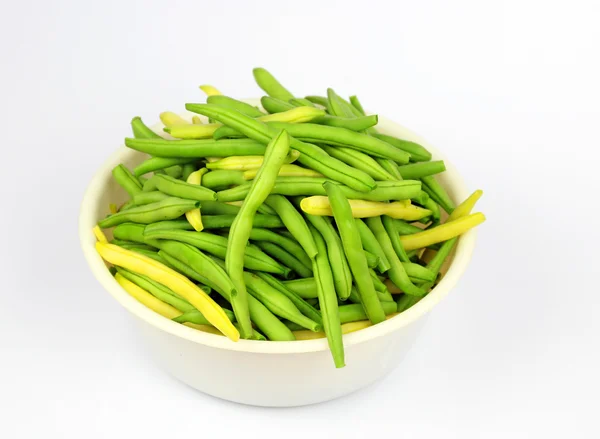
{"x":438,"y":193}
{"x":417,"y":152}
{"x":126,"y":180}
{"x":305,"y":288}
{"x":270,"y":85}
{"x":370,"y":244}
{"x":222,"y":178}
{"x":177,"y":188}
{"x":354,"y":251}
{"x":274,"y":105}
{"x":130,"y":232}
{"x":286,"y":171}
{"x":210,"y":90}
{"x":244,"y":163}
{"x":234,"y":104}
{"x":319,"y":100}
{"x":167,"y":209}
{"x":285,"y":257}
{"x":195,"y":316}
{"x":290,"y":245}
{"x":355,"y":312}
{"x":361,"y":161}
{"x":142,"y":198}
{"x":464,"y":208}
{"x":196,"y":148}
{"x":351,"y":123}
{"x":415,"y":171}
{"x":442,"y":232}
{"x":146,"y":298}
{"x":390,"y":166}
{"x":156,"y":163}
{"x":336,"y":105}
{"x":141,"y":131}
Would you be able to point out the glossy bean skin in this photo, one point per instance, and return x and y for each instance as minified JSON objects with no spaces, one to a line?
{"x":177,"y":188}
{"x":142,"y":198}
{"x":442,"y":232}
{"x":195,"y":316}
{"x":336,"y":105}
{"x":337,"y":136}
{"x":294,"y":186}
{"x":223,"y":179}
{"x":415,"y":171}
{"x":156,"y":163}
{"x":166,"y":209}
{"x":196,"y":148}
{"x":141,"y":131}
{"x":254,"y":259}
{"x":239,"y":233}
{"x":130,"y":232}
{"x":355,"y":312}
{"x":435,"y":190}
{"x":286,"y":258}
{"x":416,"y":151}
{"x":372,"y":260}
{"x":277,"y":302}
{"x":311,"y":155}
{"x":353,"y":249}
{"x":270,"y":85}
{"x":305,"y":308}
{"x":126,"y":180}
{"x":390,"y":166}
{"x":288,"y":244}
{"x":328,"y":300}
{"x":396,"y":272}
{"x":319,"y":100}
{"x":361,"y":161}
{"x":274,"y":105}
{"x":158,"y":290}
{"x":234,"y":104}
{"x":342,"y":276}
{"x":225,"y":221}
{"x":350,"y":123}
{"x":370,"y":244}
{"x":394,"y":237}
{"x":153,"y":254}
{"x":294,"y":222}
{"x":305,"y":288}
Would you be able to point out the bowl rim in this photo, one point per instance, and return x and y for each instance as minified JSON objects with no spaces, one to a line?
{"x":87,"y":220}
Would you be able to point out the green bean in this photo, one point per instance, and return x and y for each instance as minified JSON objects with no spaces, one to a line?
{"x":277,"y":302}
{"x":156,"y":163}
{"x":293,"y":221}
{"x":404,"y":228}
{"x":254,"y":259}
{"x":153,"y":254}
{"x":130,"y":232}
{"x":239,"y":234}
{"x":435,"y":209}
{"x":260,"y":315}
{"x":394,"y":237}
{"x":390,"y":167}
{"x":148,"y":197}
{"x":319,"y":100}
{"x":353,"y":249}
{"x":379,"y":286}
{"x":417,"y":152}
{"x":234,"y":104}
{"x":406,"y":301}
{"x":355,"y":312}
{"x":336,"y":105}
{"x":293,"y":186}
{"x":342,"y":276}
{"x":305,"y":288}
{"x":288,"y":244}
{"x":178,"y":224}
{"x":270,"y":85}
{"x":286,"y":258}
{"x":415,"y":171}
{"x":141,"y":131}
{"x":438,"y":193}
{"x":421,"y":198}
{"x":218,"y":208}
{"x":336,"y":136}
{"x":177,"y":188}
{"x":222,"y":179}
{"x":130,"y":245}
{"x":372,"y":259}
{"x":196,"y":148}
{"x":370,"y":244}
{"x":361,"y":161}
{"x":274,"y":105}
{"x":158,"y":290}
{"x":396,"y":272}
{"x":187,"y":169}
{"x":356,"y":104}
{"x":169,"y":208}
{"x":310,"y":155}
{"x":126,"y":180}
{"x":328,"y":299}
{"x":189,"y":272}
{"x":195,"y":316}
{"x":350,"y":123}
{"x":306,"y":309}
{"x":225,"y":221}
{"x":418,"y":273}
{"x":301,"y":102}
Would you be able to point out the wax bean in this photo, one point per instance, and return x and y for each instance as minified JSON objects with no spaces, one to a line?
{"x":443,"y":232}
{"x":321,"y":205}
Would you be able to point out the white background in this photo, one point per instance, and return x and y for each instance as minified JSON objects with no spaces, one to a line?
{"x":508,"y":90}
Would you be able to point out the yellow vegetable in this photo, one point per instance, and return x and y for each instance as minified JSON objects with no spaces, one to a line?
{"x":319,"y":205}
{"x":441,"y":233}
{"x":194,"y":217}
{"x":294,"y":115}
{"x":180,"y":284}
{"x":99,"y":234}
{"x":210,"y":90}
{"x":193,"y":131}
{"x":144,"y":297}
{"x":247,"y":162}
{"x":466,"y":206}
{"x":347,"y":328}
{"x":113,"y":208}
{"x":170,"y":119}
{"x":196,"y":120}
{"x":286,"y":171}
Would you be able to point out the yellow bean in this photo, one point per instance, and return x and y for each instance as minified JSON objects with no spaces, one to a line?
{"x":295,"y":115}
{"x":194,"y":217}
{"x":147,"y":299}
{"x":319,"y":205}
{"x":246,"y":162}
{"x":465,"y":208}
{"x":113,"y":208}
{"x":196,"y":120}
{"x":286,"y":171}
{"x":210,"y":90}
{"x":169,"y":119}
{"x":180,"y":284}
{"x":441,"y":233}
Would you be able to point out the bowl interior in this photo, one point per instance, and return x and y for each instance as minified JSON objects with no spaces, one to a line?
{"x":103,"y":190}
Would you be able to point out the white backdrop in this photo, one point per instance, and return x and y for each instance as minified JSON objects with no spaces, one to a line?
{"x":509,"y":90}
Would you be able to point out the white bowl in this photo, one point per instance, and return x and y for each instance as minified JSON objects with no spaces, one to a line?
{"x":276,"y":374}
